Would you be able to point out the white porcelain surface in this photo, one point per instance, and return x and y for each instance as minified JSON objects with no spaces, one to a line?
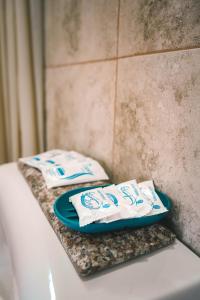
{"x":7,"y":280}
{"x":44,"y":272}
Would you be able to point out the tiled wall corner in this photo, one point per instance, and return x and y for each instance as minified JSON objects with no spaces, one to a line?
{"x":80,"y":109}
{"x":147,"y":26}
{"x":157,"y":131}
{"x":80,"y":30}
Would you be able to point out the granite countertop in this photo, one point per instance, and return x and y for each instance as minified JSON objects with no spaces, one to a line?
{"x":90,"y":253}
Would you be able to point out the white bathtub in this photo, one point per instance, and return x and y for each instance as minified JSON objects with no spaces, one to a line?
{"x":8,"y":289}
{"x":41,"y":270}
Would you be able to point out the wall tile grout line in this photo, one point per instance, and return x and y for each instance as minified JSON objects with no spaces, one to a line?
{"x":116,"y":82}
{"x":120,"y":57}
{"x":159,"y":52}
{"x":92,"y":61}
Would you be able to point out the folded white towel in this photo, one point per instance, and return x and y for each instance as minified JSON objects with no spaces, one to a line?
{"x":61,"y":168}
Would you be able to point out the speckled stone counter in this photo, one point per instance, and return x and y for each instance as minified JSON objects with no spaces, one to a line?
{"x":90,"y":253}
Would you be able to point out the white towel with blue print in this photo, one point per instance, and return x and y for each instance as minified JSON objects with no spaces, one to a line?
{"x":74,"y":172}
{"x":116,"y":202}
{"x":114,"y":196}
{"x":92,"y":206}
{"x":147,"y":189}
{"x":136,"y":203}
{"x":52,"y":157}
{"x":60,"y":168}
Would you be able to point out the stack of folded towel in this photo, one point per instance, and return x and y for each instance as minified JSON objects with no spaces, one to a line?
{"x":61,"y":168}
{"x":116,"y":202}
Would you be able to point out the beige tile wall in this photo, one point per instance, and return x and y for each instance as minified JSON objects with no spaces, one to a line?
{"x":80,"y":108}
{"x":123,"y":85}
{"x":147,"y":26}
{"x":80,"y":30}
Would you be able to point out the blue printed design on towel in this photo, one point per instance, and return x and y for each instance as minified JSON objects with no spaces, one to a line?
{"x":153,"y":194}
{"x":113,"y":198}
{"x":73,"y":176}
{"x":133,"y":200}
{"x":88,"y":200}
{"x":105,"y":205}
{"x":140,"y":201}
{"x":51,"y":161}
{"x":60,"y":172}
{"x":104,"y":202}
{"x":36,"y":158}
{"x":135,"y":190}
{"x":127,"y":195}
{"x":155,"y":206}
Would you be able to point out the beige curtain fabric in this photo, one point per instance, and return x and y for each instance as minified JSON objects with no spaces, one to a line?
{"x":21,"y":79}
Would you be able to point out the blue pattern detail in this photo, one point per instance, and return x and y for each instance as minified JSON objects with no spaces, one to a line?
{"x":113,"y":198}
{"x":51,"y":161}
{"x":135,"y":190}
{"x":73,"y":176}
{"x":153,"y":194}
{"x":105,"y":205}
{"x":61,"y":173}
{"x":156,"y":206}
{"x":89,"y":201}
{"x":140,"y":201}
{"x":128,"y":195}
{"x":36,"y":158}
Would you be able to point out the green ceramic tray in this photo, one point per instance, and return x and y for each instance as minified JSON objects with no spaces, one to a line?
{"x":66,"y":213}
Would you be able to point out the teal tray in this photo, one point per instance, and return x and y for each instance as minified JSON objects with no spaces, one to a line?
{"x":66,"y":213}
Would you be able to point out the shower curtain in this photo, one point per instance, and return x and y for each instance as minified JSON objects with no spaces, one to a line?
{"x":21,"y":79}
